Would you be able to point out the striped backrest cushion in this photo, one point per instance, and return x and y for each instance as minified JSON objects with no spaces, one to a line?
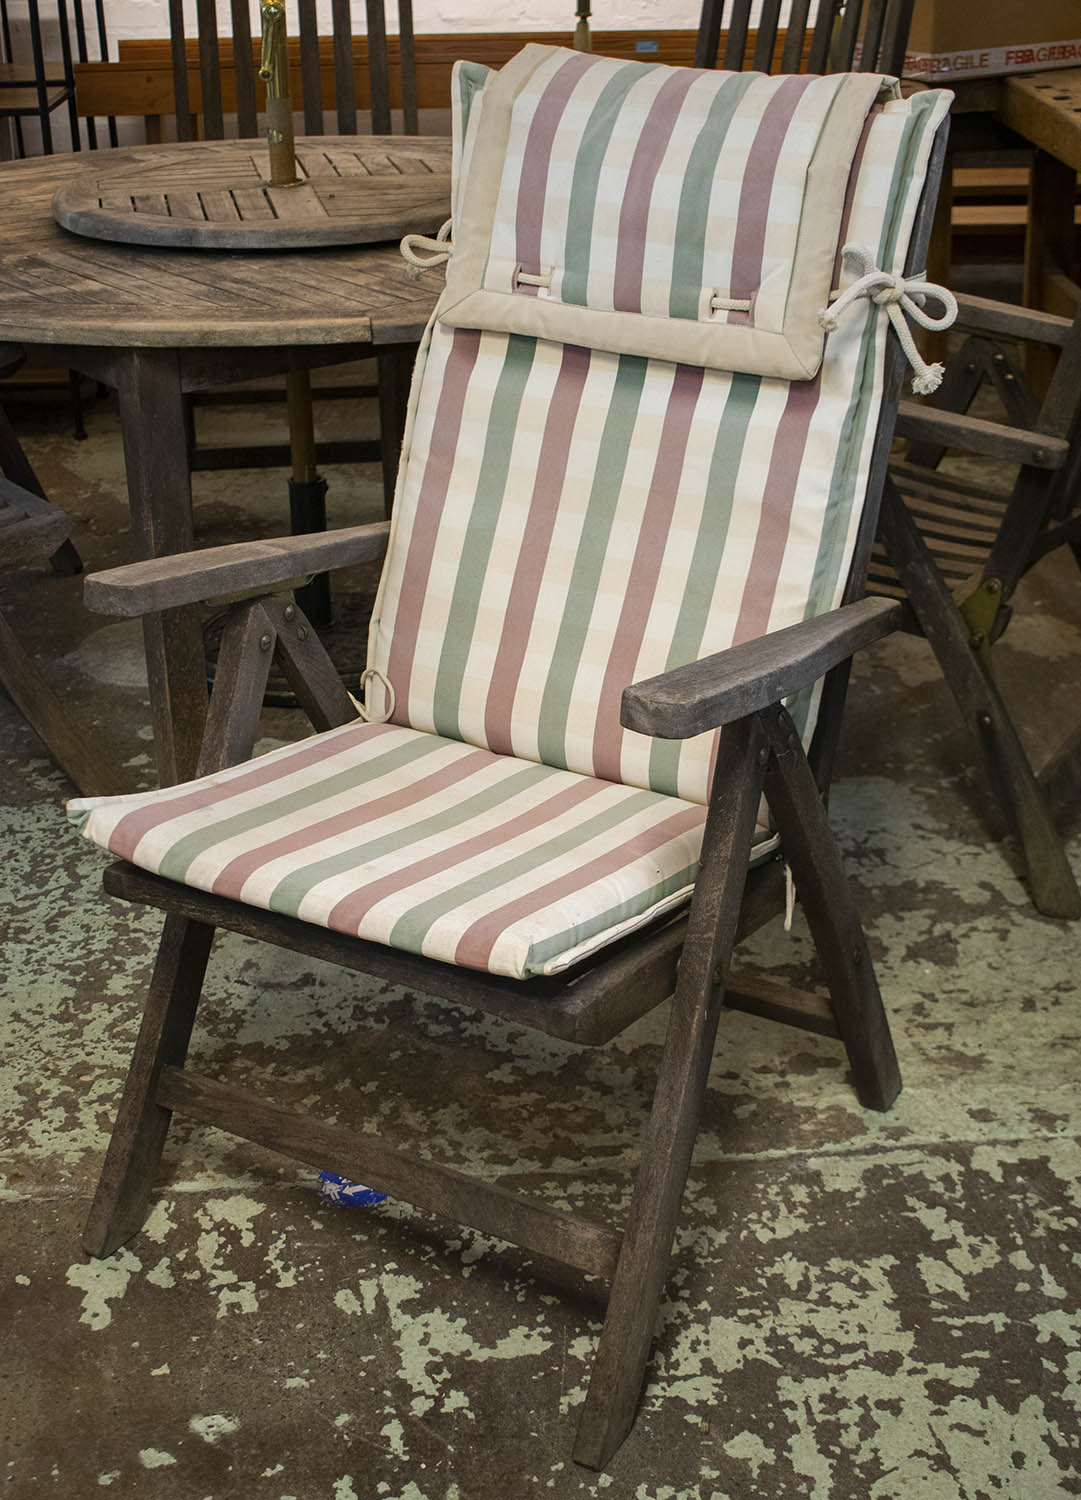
{"x":673,"y":212}
{"x":570,"y":520}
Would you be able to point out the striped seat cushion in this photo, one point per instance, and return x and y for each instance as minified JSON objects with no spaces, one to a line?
{"x":419,"y":842}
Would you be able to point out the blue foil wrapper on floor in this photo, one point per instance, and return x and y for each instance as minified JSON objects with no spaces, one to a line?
{"x":349,"y":1194}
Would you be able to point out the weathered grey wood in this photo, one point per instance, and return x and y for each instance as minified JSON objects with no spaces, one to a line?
{"x":159,"y":492}
{"x":983,"y":315}
{"x":210,"y":70}
{"x":131,"y":1162}
{"x":238,"y":567}
{"x":992,"y":439}
{"x":731,"y":684}
{"x":668,"y":1140}
{"x":345,"y":92}
{"x":310,"y":82}
{"x":378,"y":69}
{"x":247,"y":118}
{"x":407,"y":52}
{"x":208,"y":197}
{"x":776,"y":1001}
{"x":308,"y":668}
{"x":244,"y":659}
{"x":795,"y":803}
{"x":89,"y":298}
{"x":181,"y":93}
{"x":1054,"y":889}
{"x":768,"y":18}
{"x":366,"y":1157}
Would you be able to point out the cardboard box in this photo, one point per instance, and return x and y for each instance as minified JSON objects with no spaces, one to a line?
{"x":953,"y":39}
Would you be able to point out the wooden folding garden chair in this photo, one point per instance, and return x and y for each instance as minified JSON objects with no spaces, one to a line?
{"x":637,"y":498}
{"x":955,"y":549}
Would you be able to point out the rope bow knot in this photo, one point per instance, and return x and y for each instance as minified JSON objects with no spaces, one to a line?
{"x":902,"y":297}
{"x":439,"y":250}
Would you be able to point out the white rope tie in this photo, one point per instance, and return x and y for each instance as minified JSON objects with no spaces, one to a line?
{"x":439,"y":250}
{"x":372,"y":674}
{"x":901,"y":297}
{"x":789,"y":897}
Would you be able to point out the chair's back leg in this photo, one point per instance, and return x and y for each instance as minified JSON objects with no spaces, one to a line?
{"x":668,"y":1141}
{"x":131,"y":1162}
{"x":812,"y":855}
{"x":1054,"y":889}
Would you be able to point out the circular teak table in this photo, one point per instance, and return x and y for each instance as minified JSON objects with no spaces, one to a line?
{"x":157,"y":324}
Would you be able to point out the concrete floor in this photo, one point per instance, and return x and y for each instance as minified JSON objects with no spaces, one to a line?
{"x":861,"y":1307}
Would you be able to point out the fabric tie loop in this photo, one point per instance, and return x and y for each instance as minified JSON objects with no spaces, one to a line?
{"x":902,"y":297}
{"x":370,"y":675}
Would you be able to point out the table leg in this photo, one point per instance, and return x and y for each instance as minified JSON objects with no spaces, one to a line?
{"x":159,"y":493}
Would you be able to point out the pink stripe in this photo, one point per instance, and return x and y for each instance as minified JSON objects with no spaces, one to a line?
{"x":760,"y":585}
{"x":634,"y":212}
{"x":434,"y":486}
{"x":231,"y":880}
{"x":475,"y":946}
{"x":536,"y":159}
{"x":645,"y":569}
{"x":135,"y":825}
{"x":757,"y":191}
{"x":352,"y":909}
{"x":533,"y":548}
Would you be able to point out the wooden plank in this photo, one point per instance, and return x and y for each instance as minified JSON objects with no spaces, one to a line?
{"x":131,"y":1162}
{"x":773,"y":1000}
{"x":366,"y":1157}
{"x":668,"y":1140}
{"x":992,"y":439}
{"x":345,"y":89}
{"x":796,"y":804}
{"x":746,"y":678}
{"x":219,"y":572}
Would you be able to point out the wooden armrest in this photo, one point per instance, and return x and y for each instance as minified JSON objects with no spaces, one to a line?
{"x":982,"y":315}
{"x":745,"y":679}
{"x":954,"y":429}
{"x":217,"y":572}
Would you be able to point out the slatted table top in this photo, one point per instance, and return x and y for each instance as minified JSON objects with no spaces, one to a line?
{"x":216,"y":195}
{"x":1046,"y":109}
{"x":61,"y":288}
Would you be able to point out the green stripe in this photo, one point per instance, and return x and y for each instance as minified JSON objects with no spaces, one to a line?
{"x":412,"y":928}
{"x":179,"y":857}
{"x":587,"y":170}
{"x":826,"y":576}
{"x":472,"y":78}
{"x":483,"y":523}
{"x":689,"y":252}
{"x":291,"y":890}
{"x":687,"y":638}
{"x":604,"y":498}
{"x":539,"y":953}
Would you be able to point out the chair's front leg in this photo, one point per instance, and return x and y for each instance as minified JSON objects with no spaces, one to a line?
{"x":131,"y":1162}
{"x":668,"y":1140}
{"x":811,"y":853}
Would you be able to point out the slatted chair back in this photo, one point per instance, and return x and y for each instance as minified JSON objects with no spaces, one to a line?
{"x":867,"y":35}
{"x":214,"y":96}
